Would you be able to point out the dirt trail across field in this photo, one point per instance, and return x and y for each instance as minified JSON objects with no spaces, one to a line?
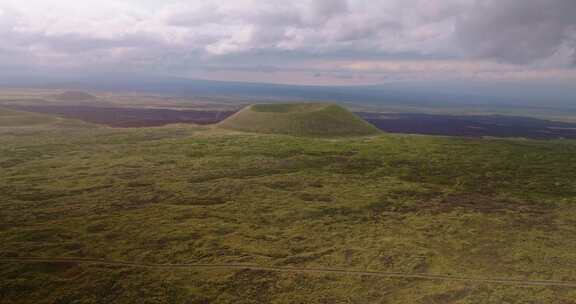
{"x":422,"y":276}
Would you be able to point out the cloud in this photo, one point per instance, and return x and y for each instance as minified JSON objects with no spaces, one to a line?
{"x":323,"y":10}
{"x":518,"y":31}
{"x":226,"y":27}
{"x":324,"y":37}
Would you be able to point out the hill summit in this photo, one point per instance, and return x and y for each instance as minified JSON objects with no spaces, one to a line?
{"x":299,"y":119}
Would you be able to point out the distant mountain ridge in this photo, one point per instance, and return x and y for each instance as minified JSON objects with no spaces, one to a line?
{"x":442,"y":95}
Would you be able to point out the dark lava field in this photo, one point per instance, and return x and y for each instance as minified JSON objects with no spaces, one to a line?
{"x":409,"y":123}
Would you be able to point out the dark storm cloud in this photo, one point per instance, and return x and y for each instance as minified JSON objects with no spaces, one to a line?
{"x":324,"y":9}
{"x":518,"y":31}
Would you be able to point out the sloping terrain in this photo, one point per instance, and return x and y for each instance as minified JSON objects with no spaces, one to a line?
{"x":128,"y":117}
{"x":319,"y":120}
{"x":11,"y":119}
{"x":500,"y":212}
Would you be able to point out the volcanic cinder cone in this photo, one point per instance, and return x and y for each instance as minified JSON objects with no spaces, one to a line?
{"x":303,"y":119}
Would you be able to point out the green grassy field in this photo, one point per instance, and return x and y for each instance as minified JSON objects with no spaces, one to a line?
{"x":183,"y":194}
{"x":317,"y":120}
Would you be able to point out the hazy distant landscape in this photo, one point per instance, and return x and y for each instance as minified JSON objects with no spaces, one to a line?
{"x":148,"y":111}
{"x":542,"y":100}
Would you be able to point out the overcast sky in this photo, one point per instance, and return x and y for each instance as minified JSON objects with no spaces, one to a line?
{"x":296,"y":41}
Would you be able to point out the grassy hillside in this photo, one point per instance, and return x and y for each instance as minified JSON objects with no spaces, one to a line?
{"x":182,"y":194}
{"x":9,"y":118}
{"x":15,"y":120}
{"x":319,"y":120}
